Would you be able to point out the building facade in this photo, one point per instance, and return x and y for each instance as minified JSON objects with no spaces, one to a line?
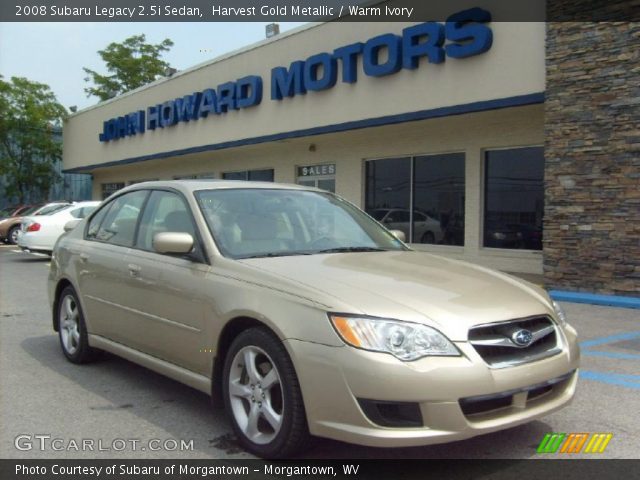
{"x":439,"y":129}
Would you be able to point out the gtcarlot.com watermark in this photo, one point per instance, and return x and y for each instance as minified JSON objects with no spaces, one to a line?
{"x":49,"y":443}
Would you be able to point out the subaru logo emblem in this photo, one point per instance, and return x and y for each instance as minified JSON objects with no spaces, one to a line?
{"x":522,"y":338}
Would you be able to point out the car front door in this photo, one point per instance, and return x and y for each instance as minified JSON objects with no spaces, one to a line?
{"x":168,"y":293}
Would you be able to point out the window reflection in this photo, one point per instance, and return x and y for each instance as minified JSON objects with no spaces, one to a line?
{"x":388,"y":192}
{"x":439,"y":199}
{"x":438,"y":182}
{"x":514,"y":198}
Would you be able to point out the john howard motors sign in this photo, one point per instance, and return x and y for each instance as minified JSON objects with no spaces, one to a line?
{"x":463,"y":35}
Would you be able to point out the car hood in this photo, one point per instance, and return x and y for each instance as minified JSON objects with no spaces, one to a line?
{"x":414,"y":286}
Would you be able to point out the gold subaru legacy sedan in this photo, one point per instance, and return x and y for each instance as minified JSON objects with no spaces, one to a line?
{"x":307,"y":317}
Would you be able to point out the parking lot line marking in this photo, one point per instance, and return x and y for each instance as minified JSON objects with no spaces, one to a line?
{"x":621,"y":356}
{"x":612,"y":378}
{"x":609,"y":339}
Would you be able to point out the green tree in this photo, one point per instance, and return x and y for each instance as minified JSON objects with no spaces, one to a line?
{"x":29,"y":117}
{"x":130,"y":64}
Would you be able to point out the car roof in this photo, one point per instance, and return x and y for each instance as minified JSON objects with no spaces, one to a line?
{"x":215,"y":184}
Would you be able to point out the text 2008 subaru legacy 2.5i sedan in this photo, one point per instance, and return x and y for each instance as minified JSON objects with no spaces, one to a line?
{"x":307,"y":317}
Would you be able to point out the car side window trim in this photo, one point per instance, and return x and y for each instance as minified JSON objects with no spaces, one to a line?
{"x":109,"y":206}
{"x":199,"y":250}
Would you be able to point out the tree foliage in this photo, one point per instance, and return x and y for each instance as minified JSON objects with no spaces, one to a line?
{"x":130,"y":64}
{"x":29,"y":117}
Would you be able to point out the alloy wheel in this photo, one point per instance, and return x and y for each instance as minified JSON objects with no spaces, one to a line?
{"x":69,"y":324}
{"x":255,"y":394}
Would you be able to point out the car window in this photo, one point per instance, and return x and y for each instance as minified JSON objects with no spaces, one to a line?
{"x":76,"y":212}
{"x":49,"y":209}
{"x":419,"y":217}
{"x":398,"y":216}
{"x":96,"y":221}
{"x":165,"y":212}
{"x":86,"y":211}
{"x":119,"y":224}
{"x":264,"y":222}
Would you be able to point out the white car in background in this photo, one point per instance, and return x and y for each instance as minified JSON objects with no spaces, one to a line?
{"x":39,"y":233}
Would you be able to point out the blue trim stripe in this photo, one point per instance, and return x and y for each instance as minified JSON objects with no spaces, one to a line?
{"x":616,"y":355}
{"x":629,"y":381}
{"x":593,"y":299}
{"x":517,"y":101}
{"x":610,"y":339}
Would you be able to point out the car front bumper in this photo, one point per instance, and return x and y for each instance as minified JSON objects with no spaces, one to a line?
{"x":335,"y":381}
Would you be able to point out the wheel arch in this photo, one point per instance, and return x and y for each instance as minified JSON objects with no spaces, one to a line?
{"x":61,"y":285}
{"x":229,"y":332}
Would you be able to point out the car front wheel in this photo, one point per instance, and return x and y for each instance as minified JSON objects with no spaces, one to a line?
{"x":262,"y":394}
{"x":72,"y":329}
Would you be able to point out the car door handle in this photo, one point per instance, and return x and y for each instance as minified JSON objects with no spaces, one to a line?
{"x":134,"y":270}
{"x":84,"y":257}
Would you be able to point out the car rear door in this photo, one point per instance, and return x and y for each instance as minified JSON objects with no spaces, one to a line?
{"x":102,"y":269}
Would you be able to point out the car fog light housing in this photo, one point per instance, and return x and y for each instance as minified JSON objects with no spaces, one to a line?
{"x":560,"y":315}
{"x":405,"y":340}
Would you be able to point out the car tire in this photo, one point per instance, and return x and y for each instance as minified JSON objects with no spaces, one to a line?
{"x":72,"y":329}
{"x":264,"y":400}
{"x":428,"y":237}
{"x":12,"y":235}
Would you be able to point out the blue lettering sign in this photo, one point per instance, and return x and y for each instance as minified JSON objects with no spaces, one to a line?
{"x":287,"y":83}
{"x":413,"y":46}
{"x":467,"y":33}
{"x":168,"y":114}
{"x":348,"y":55}
{"x":153,"y":117}
{"x":248,"y":91}
{"x":316,"y":81}
{"x":371,"y":55}
{"x":208,"y":103}
{"x":187,"y":107}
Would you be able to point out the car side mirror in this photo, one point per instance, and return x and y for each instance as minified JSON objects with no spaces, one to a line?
{"x":71,"y":224}
{"x":172,"y":242}
{"x":399,"y":234}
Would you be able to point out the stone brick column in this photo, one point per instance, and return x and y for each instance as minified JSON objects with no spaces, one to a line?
{"x":592,"y":153}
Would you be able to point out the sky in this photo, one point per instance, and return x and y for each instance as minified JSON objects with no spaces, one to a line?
{"x":54,"y":53}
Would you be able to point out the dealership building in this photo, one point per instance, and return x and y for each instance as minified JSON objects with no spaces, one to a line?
{"x":514,"y":145}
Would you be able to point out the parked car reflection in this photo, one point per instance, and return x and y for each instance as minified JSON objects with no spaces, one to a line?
{"x":425,"y":228}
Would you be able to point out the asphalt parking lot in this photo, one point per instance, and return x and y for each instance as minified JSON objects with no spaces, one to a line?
{"x":43,"y":394}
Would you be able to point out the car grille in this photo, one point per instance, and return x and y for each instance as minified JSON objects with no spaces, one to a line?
{"x":486,"y":404}
{"x":504,"y":344}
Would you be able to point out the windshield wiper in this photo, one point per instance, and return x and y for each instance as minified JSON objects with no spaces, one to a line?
{"x":275,"y":254}
{"x":352,"y":249}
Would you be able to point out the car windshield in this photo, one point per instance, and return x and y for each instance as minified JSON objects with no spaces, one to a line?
{"x":29,"y":210}
{"x":49,"y":209}
{"x":253,"y":222}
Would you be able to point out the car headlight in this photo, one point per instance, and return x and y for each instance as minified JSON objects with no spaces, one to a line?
{"x":404,"y":340}
{"x":562,"y":318}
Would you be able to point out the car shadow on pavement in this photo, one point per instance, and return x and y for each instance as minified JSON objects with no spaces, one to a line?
{"x":31,"y":259}
{"x":186,"y":413}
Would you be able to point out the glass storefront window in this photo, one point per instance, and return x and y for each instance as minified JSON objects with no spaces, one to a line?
{"x":263,"y":175}
{"x":320,"y":176}
{"x":109,"y":189}
{"x":388,"y":193}
{"x":438,"y":199}
{"x":434,"y":213}
{"x":514,"y":198}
